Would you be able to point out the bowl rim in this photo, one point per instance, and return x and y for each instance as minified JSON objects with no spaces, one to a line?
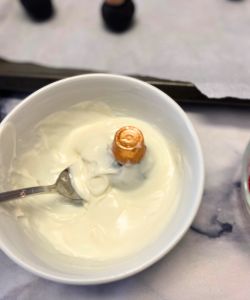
{"x":245,"y":173}
{"x":182,"y":229}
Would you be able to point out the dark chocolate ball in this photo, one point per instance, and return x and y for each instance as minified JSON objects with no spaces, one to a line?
{"x":38,"y":10}
{"x":118,"y":18}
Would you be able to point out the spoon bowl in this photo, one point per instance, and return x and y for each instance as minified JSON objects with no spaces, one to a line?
{"x":63,"y":186}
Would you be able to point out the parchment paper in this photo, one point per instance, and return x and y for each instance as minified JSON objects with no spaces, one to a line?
{"x":206,"y":42}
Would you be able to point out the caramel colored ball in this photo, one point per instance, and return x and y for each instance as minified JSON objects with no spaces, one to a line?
{"x":128,"y":145}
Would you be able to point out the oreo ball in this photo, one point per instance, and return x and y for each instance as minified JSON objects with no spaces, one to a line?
{"x":38,"y":10}
{"x":118,"y":18}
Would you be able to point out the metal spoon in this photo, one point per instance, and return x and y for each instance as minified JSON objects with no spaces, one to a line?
{"x":63,"y":186}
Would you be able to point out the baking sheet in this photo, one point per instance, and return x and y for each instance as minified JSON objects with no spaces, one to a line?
{"x":204,"y":42}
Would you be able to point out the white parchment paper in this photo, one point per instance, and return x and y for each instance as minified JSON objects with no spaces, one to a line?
{"x":206,"y":42}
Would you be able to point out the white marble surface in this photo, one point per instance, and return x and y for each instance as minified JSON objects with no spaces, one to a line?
{"x":209,"y":263}
{"x":205,"y":42}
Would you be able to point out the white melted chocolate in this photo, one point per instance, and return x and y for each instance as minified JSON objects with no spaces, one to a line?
{"x":127,"y":207}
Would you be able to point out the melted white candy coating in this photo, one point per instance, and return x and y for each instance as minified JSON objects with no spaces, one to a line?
{"x":127,"y":207}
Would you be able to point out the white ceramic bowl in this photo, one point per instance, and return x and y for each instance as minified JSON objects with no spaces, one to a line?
{"x":143,"y":101}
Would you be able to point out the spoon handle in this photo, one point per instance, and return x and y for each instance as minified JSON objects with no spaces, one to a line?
{"x":21,"y":193}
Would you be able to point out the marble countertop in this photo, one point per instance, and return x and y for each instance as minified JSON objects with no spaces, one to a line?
{"x":212,"y":261}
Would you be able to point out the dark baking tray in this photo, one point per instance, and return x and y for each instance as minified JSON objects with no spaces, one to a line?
{"x":26,"y":77}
